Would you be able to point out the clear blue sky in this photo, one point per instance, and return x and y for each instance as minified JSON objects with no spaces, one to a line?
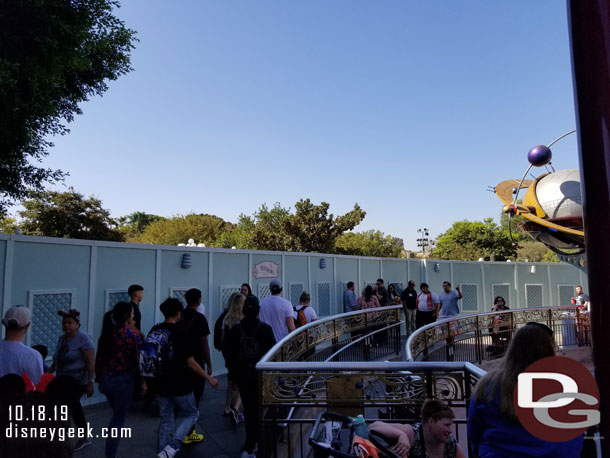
{"x":409,"y":108}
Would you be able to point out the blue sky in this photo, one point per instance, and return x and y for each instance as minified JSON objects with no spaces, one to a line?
{"x":409,"y":108}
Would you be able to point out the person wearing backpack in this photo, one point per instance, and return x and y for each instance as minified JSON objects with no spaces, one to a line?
{"x":166,"y":360}
{"x":304,"y":313}
{"x":246,"y":344}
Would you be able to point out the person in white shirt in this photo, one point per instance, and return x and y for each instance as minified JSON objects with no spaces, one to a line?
{"x":16,"y":358}
{"x":310,"y":313}
{"x":277,"y":312}
{"x":427,"y":305}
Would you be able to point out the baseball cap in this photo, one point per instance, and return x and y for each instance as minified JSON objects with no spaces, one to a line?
{"x":275,"y":284}
{"x":19,"y":314}
{"x":72,"y":313}
{"x":251,"y":305}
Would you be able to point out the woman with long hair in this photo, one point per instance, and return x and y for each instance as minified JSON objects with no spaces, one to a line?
{"x":493,"y":427}
{"x":368,"y":300}
{"x":234,"y":315}
{"x":116,"y":366}
{"x":430,"y":438}
{"x":246,"y":290}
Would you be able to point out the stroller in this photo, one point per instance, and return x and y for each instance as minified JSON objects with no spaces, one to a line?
{"x":333,"y":433}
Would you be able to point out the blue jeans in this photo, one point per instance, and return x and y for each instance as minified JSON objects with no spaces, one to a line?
{"x":181,"y":423}
{"x":119,"y":392}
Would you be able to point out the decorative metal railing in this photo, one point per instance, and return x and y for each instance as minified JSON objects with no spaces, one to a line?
{"x":476,"y":338}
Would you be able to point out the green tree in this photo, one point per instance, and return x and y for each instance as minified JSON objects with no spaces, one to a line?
{"x":240,"y":236}
{"x":310,"y":229}
{"x":68,"y":214}
{"x":172,"y":231}
{"x":8,"y":225}
{"x":471,"y":240}
{"x":54,"y":55}
{"x":135,"y":223}
{"x":369,"y":243}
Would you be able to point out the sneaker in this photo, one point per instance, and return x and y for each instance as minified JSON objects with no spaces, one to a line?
{"x":234,"y":417}
{"x":167,"y":452}
{"x":193,"y":438}
{"x":82,"y":443}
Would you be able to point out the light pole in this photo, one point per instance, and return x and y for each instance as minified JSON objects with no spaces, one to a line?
{"x":423,"y":241}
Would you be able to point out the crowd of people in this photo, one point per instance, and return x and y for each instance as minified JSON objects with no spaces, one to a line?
{"x":172,"y":362}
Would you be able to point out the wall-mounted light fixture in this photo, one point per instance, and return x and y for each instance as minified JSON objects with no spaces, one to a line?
{"x":437,"y":267}
{"x":533,"y":270}
{"x":186,"y":261}
{"x":322,"y":263}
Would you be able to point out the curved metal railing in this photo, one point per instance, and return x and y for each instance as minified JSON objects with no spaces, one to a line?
{"x":472,"y":338}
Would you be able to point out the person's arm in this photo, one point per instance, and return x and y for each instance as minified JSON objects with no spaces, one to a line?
{"x":460,"y":453}
{"x":476,"y":425}
{"x":290,"y":318}
{"x":402,"y":437}
{"x":196,"y":368}
{"x":353,"y":302}
{"x":437,"y":309}
{"x":457,"y":288}
{"x":206,"y":354}
{"x":89,"y":358}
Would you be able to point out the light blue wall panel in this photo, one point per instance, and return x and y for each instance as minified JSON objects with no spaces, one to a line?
{"x":525,"y":277}
{"x":117,"y":268}
{"x":436,"y":279}
{"x":414,"y":269}
{"x":347,"y":270}
{"x":323,"y":275}
{"x":296,"y":272}
{"x":370,"y":271}
{"x":395,"y":272}
{"x":500,"y":273}
{"x":467,"y":273}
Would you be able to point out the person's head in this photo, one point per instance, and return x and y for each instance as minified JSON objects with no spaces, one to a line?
{"x":171,"y":308}
{"x":446,"y":286}
{"x":379,"y":283}
{"x":350,"y":285}
{"x":437,"y":418}
{"x":70,"y":321}
{"x":411,"y":284}
{"x":42,"y":349}
{"x":424,"y":288}
{"x":251,"y":308}
{"x":193,"y":297}
{"x":531,"y":342}
{"x":122,"y":314}
{"x":499,"y":302}
{"x":275,"y":286}
{"x":579,"y":289}
{"x":305,"y":298}
{"x":136,"y":293}
{"x":246,"y":290}
{"x":17,"y":320}
{"x":391,"y":288}
{"x":368,"y":292}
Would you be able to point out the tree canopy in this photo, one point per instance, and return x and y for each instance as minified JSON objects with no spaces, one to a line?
{"x":67,"y":214}
{"x":54,"y":55}
{"x":471,"y":240}
{"x":172,"y":231}
{"x":369,"y":243}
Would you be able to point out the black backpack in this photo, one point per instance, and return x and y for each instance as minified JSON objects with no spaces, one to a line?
{"x":249,"y":351}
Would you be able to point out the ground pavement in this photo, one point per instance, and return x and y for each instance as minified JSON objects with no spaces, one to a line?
{"x":222,"y":440}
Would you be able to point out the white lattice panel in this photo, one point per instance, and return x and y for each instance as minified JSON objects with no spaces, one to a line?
{"x":372,"y":284}
{"x":566,"y":293}
{"x":178,"y":293}
{"x":113,"y":296}
{"x":263,"y":291}
{"x":533,"y":295}
{"x":500,"y":289}
{"x":323,"y":298}
{"x":397,"y":286}
{"x":46,"y":324}
{"x":470,"y":297}
{"x":295,"y":290}
{"x":225,"y":293}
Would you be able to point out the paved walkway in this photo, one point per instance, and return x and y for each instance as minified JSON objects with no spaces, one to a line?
{"x":222,"y":440}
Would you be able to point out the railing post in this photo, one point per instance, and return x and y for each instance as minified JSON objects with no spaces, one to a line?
{"x":478,"y":341}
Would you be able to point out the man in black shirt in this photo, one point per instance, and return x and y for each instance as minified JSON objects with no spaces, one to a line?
{"x":136,"y":294}
{"x":173,"y":382}
{"x":247,"y":342}
{"x":408,"y":297}
{"x":196,"y":326}
{"x":382,"y":293}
